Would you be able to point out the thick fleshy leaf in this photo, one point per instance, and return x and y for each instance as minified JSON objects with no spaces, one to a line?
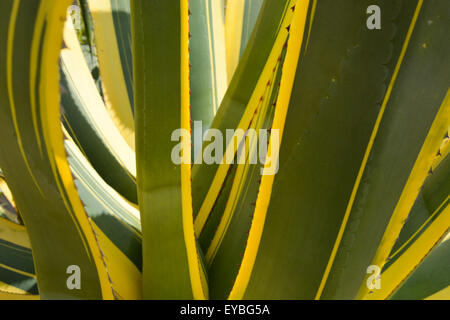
{"x":225,"y":246}
{"x":241,"y":101}
{"x":208,"y":75}
{"x":428,"y":205}
{"x":427,"y":223}
{"x":418,"y":111}
{"x":431,"y":280}
{"x":116,"y":225}
{"x":172,"y":266}
{"x":88,"y":122}
{"x":112,"y":32}
{"x":33,"y":158}
{"x":317,"y":207}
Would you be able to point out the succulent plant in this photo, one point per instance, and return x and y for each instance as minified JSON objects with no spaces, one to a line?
{"x":355,"y":117}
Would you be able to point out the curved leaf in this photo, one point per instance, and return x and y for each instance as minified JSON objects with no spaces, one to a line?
{"x":33,"y":158}
{"x":86,"y":119}
{"x":17,"y":275}
{"x":116,"y":225}
{"x":112,"y":31}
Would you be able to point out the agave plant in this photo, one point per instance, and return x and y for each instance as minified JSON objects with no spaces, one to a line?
{"x":93,"y":206}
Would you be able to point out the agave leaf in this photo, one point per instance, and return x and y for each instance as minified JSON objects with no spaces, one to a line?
{"x":171,"y":259}
{"x":241,"y":100}
{"x":116,"y":224}
{"x":428,"y":222}
{"x":227,"y":244}
{"x":297,"y":26}
{"x":444,"y":294}
{"x":17,"y":275}
{"x":90,"y":125}
{"x":240,"y":18}
{"x":33,"y":158}
{"x":398,"y":156}
{"x":425,"y":128}
{"x":208,"y":76}
{"x":300,"y":209}
{"x":443,"y":151}
{"x":431,"y":280}
{"x":112,"y":31}
{"x":428,"y":205}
